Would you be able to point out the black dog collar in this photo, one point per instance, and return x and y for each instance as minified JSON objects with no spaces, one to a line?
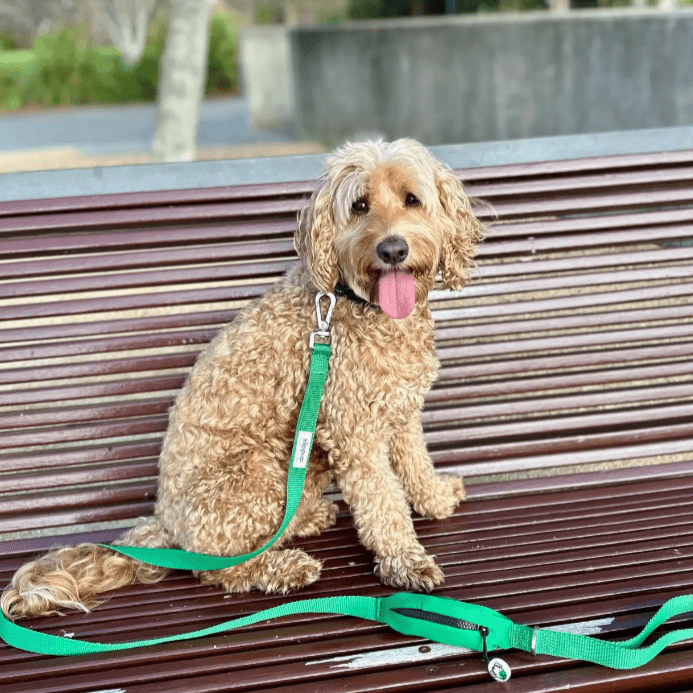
{"x":347,"y":292}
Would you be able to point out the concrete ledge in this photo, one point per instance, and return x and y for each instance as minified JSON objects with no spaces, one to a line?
{"x":203,"y":174}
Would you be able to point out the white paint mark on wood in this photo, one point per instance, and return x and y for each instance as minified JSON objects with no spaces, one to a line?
{"x":399,"y":655}
{"x":584,"y":628}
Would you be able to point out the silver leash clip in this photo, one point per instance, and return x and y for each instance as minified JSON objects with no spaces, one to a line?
{"x":325,"y":323}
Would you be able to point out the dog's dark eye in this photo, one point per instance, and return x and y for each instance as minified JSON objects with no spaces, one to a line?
{"x":360,"y":206}
{"x":411,"y":200}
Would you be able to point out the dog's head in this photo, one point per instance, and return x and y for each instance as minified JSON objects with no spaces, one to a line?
{"x":385,"y":218}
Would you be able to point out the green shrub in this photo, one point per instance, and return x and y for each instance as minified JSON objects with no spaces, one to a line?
{"x":269,"y":14}
{"x":222,"y":70}
{"x":60,"y":62}
{"x":373,"y":9}
{"x":6,"y":42}
{"x":143,"y":77}
{"x":67,"y":69}
{"x":17,"y":69}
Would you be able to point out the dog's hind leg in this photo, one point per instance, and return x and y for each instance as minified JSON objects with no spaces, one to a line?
{"x":72,"y":577}
{"x":274,"y":571}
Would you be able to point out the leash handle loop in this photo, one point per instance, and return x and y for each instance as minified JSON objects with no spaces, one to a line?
{"x":625,"y":654}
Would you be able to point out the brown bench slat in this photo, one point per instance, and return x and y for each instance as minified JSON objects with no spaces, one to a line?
{"x":614,"y":453}
{"x":93,"y":368}
{"x":502,"y":231}
{"x":116,"y":493}
{"x":584,"y":181}
{"x":90,"y":454}
{"x":138,"y":301}
{"x":523,"y":407}
{"x":108,"y":389}
{"x":154,"y":198}
{"x":59,"y":478}
{"x":164,"y":277}
{"x":272,"y":230}
{"x":557,"y":382}
{"x":98,"y":260}
{"x":77,"y":516}
{"x":144,"y":216}
{"x":157,"y":340}
{"x":78,"y":433}
{"x":567,"y":302}
{"x":604,"y":164}
{"x":589,"y":263}
{"x":576,"y":341}
{"x":577,"y":361}
{"x":80,"y":475}
{"x":100,"y":327}
{"x":460,"y":330}
{"x":576,"y":446}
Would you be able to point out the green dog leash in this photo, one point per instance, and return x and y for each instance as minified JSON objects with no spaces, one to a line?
{"x":439,"y":619}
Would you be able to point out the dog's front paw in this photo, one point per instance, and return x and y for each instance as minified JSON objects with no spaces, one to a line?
{"x":447,"y":493}
{"x":417,"y":574}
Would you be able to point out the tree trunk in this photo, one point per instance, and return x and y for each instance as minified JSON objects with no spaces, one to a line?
{"x":182,"y":77}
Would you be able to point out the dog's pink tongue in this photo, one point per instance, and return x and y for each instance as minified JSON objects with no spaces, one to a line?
{"x":396,"y":292}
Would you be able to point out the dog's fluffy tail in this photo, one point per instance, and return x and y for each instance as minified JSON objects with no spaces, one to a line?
{"x":71,"y":578}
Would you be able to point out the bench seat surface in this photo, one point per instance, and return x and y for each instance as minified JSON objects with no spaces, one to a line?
{"x":564,"y":399}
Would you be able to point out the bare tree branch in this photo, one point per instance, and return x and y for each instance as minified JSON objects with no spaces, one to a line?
{"x":127,"y":23}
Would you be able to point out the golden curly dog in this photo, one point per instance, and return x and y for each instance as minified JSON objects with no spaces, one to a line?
{"x":385,"y":218}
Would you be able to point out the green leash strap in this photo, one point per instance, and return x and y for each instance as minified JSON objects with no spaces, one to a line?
{"x":434,"y":618}
{"x":42,"y":643}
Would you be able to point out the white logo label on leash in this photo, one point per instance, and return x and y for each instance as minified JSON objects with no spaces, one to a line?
{"x":303,"y":444}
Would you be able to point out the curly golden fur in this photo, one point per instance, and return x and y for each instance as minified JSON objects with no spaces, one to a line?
{"x":224,"y":461}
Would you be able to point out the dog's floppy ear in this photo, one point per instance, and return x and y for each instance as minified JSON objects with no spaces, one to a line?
{"x":461,"y":229}
{"x":314,"y":238}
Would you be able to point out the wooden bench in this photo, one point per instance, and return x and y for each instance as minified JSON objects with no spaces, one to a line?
{"x":565,"y":399}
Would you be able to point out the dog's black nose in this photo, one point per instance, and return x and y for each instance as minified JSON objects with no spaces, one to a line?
{"x":392,"y":250}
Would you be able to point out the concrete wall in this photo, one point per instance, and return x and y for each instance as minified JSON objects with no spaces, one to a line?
{"x":265,"y":64}
{"x":490,"y":77}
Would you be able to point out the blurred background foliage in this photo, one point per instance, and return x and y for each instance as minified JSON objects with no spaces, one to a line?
{"x":49,"y":62}
{"x":65,"y":67}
